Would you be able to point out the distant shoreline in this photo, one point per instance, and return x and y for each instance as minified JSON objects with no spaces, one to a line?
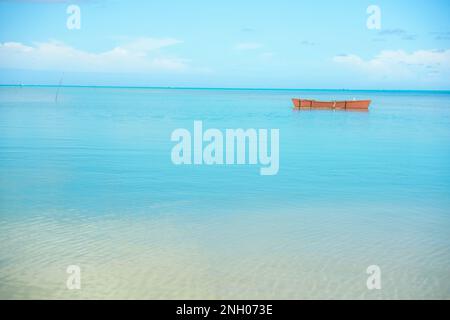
{"x":219,"y":88}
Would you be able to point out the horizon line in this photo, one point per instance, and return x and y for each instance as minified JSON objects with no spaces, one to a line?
{"x":213,"y":88}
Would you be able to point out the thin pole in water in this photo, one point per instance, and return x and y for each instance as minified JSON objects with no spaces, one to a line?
{"x":59,"y":85}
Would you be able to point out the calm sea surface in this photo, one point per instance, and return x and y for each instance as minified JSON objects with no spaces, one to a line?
{"x":88,"y":180}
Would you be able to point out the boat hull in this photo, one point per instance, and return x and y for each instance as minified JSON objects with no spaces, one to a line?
{"x":331,"y":105}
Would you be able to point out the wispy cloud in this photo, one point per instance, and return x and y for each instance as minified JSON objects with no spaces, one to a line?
{"x":265,"y":56}
{"x":247,"y":29}
{"x":245,"y":46}
{"x":307,"y":43}
{"x":398,"y":64}
{"x":441,"y":35}
{"x":398,"y":33}
{"x":140,"y":55}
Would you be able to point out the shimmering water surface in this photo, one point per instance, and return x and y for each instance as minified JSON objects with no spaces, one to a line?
{"x":86,"y":179}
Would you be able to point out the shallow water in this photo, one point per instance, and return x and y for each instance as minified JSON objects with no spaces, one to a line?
{"x":88,"y":180}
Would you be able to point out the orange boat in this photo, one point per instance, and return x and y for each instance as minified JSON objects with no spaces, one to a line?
{"x":334,"y":105}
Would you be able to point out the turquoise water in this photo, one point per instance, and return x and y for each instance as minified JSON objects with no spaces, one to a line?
{"x":86,"y":179}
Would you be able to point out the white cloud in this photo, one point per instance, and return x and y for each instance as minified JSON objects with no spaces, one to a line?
{"x":398,"y":64}
{"x":248,"y":46}
{"x":141,"y":55}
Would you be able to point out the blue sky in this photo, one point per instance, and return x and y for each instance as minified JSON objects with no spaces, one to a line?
{"x":268,"y":44}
